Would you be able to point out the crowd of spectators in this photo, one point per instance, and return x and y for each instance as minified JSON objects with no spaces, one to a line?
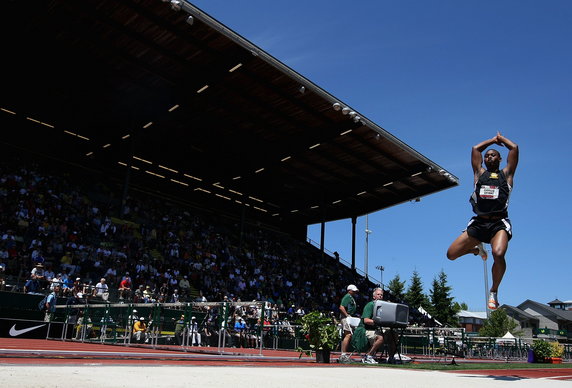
{"x":64,"y":228}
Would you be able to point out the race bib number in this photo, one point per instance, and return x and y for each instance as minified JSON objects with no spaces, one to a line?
{"x":489,"y":192}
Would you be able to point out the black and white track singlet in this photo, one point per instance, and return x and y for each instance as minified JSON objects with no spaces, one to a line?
{"x":491,"y":195}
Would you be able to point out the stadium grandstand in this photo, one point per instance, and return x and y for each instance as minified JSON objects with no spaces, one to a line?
{"x":145,"y":139}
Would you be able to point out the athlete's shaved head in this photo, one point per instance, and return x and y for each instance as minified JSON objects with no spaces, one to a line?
{"x":492,"y":159}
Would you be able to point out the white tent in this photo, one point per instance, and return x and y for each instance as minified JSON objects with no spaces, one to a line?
{"x":508,"y":337}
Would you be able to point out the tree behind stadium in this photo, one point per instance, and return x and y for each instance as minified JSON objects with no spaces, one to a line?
{"x":415,"y":297}
{"x":397,"y":289}
{"x":442,"y":306}
{"x":498,"y":324}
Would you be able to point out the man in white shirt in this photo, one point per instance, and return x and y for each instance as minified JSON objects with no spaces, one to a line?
{"x":101,"y":289}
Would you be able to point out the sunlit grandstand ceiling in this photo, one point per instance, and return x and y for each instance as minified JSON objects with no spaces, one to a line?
{"x":196,"y":112}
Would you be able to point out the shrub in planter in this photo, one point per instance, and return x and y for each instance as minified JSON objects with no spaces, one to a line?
{"x":557,"y":350}
{"x":541,"y":349}
{"x":545,"y":351}
{"x":321,"y":332}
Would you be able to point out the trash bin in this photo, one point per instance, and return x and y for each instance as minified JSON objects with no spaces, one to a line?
{"x":531,"y":357}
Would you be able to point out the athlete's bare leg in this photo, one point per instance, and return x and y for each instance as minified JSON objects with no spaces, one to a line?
{"x":464,"y":244}
{"x":499,"y":245}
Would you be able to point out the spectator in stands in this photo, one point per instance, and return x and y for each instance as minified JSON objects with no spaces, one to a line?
{"x":348,"y":308}
{"x":32,"y":286}
{"x":148,"y":295}
{"x":76,"y":292}
{"x":240,"y":331}
{"x":4,"y":254}
{"x":175,"y":296}
{"x":138,"y":294}
{"x":101,"y":289}
{"x":173,"y":282}
{"x":36,"y":254}
{"x":49,"y":255}
{"x":164,"y":293}
{"x":111,"y":274}
{"x":201,"y":297}
{"x":139,"y":330}
{"x":67,"y":286}
{"x":291,"y":312}
{"x":337,"y":256}
{"x":57,"y":280}
{"x":9,"y":238}
{"x":38,"y":272}
{"x":141,"y":267}
{"x":125,"y":287}
{"x":287,"y":328}
{"x":2,"y":276}
{"x":66,"y":262}
{"x":49,"y":273}
{"x":97,"y":265}
{"x":201,"y":251}
{"x":64,"y":277}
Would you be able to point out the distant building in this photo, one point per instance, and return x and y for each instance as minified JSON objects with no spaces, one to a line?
{"x":472,"y":321}
{"x":558,"y":304}
{"x":541,"y":320}
{"x":535,"y":320}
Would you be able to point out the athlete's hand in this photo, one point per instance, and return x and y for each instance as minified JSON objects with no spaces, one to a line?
{"x":498,"y":139}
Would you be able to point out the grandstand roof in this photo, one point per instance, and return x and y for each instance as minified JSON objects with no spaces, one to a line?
{"x":207,"y":116}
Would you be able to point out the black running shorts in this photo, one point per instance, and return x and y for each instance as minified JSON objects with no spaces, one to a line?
{"x":484,"y":230}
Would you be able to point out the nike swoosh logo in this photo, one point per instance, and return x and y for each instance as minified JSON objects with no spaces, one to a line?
{"x":15,"y":332}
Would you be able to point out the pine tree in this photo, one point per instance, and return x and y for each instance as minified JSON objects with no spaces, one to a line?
{"x":415,"y":297}
{"x":397,"y":288}
{"x":442,"y":306}
{"x":498,"y":324}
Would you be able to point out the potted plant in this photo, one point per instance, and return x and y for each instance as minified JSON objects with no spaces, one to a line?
{"x":556,"y":352}
{"x":322,"y":333}
{"x":548,"y":352}
{"x":541,"y":350}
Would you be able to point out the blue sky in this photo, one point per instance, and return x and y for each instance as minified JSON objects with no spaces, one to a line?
{"x":443,"y":76}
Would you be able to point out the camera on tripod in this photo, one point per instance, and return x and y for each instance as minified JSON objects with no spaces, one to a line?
{"x":387,"y":314}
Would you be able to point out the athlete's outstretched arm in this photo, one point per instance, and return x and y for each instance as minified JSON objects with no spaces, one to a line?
{"x":477,"y":155}
{"x":512,"y":158}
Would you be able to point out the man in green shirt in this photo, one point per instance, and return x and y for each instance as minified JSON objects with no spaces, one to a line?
{"x":348,"y":307}
{"x":180,"y":330}
{"x":375,"y":335}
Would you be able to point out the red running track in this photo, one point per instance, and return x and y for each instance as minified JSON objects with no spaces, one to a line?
{"x":564,"y":374}
{"x":32,"y":351}
{"x":54,"y":352}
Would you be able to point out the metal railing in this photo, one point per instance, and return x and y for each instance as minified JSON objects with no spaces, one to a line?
{"x":343,"y":261}
{"x":113,"y":323}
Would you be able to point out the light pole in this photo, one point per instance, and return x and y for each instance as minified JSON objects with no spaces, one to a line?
{"x":380,"y":268}
{"x":486,"y":288}
{"x":367,"y":233}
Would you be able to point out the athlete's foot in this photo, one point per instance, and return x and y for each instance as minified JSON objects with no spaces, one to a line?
{"x":493,"y":301}
{"x":481,"y":251}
